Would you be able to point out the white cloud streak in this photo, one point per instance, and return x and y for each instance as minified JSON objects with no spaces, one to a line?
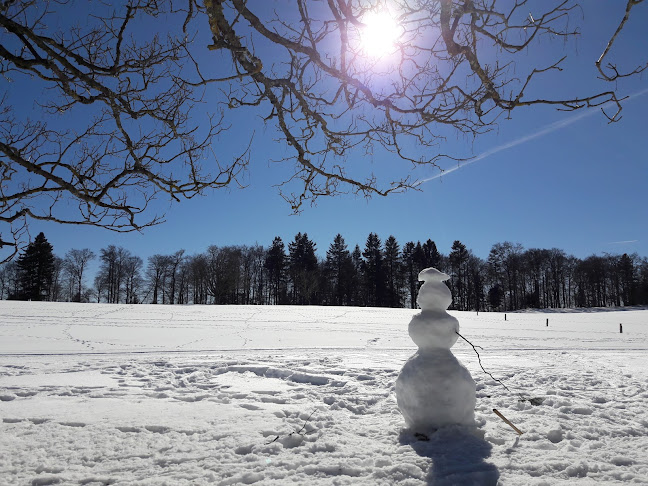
{"x":526,"y":138}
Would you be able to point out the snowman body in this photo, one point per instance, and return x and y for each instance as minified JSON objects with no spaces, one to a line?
{"x":434,"y":389}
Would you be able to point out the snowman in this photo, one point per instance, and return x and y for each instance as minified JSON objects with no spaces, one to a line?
{"x":434,"y":389}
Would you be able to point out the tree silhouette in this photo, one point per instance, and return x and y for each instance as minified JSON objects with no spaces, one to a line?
{"x":36,"y":269}
{"x":340,"y":271}
{"x":458,"y":260}
{"x":76,"y":263}
{"x":393,"y":273}
{"x":275,"y":265}
{"x":373,"y":272}
{"x":303,"y":269}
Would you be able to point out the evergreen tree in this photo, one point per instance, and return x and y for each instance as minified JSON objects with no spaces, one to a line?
{"x":431,"y":256}
{"x":373,"y":272}
{"x":303,"y":270}
{"x":357,"y":292}
{"x":410,"y":273}
{"x":419,"y":259}
{"x":275,"y":265}
{"x":393,"y":273}
{"x":339,"y":269}
{"x":496,"y":296}
{"x":475,"y":281}
{"x":458,"y":259}
{"x":36,"y":270}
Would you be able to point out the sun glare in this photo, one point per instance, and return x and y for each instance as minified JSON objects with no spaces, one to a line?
{"x":379,"y":34}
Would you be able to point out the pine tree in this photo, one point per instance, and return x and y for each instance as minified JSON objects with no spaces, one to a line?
{"x":410,"y":273}
{"x":373,"y":272}
{"x":432,"y":257}
{"x":339,"y":269}
{"x":495,"y":296}
{"x":275,"y":265}
{"x":303,"y":269}
{"x":356,"y":286}
{"x":36,"y":270}
{"x":393,"y":273}
{"x":458,"y":259}
{"x":419,"y":259}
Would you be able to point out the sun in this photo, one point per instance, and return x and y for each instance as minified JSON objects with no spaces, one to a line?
{"x":379,"y":34}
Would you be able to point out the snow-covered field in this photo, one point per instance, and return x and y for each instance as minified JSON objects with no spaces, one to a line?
{"x":97,"y":394}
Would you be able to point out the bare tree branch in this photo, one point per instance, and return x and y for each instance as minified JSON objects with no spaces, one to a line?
{"x":612,"y":67}
{"x":140,"y":141}
{"x":324,"y":97}
{"x":122,"y":118}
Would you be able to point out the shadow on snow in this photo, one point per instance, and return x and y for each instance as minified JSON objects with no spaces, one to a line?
{"x":457,"y":457}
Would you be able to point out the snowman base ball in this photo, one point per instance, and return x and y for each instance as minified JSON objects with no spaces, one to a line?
{"x":434,"y":390}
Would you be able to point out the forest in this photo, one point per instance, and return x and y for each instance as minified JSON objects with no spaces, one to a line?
{"x":382,"y":274}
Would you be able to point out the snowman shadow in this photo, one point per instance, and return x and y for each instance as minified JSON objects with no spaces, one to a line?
{"x":458,"y":456}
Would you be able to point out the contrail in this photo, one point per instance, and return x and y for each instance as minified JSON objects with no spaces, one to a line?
{"x":540,"y":133}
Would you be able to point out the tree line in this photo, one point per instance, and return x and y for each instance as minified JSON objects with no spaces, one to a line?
{"x":382,"y":274}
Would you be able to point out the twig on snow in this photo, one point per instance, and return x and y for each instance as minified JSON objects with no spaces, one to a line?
{"x":532,"y":401}
{"x":298,"y":432}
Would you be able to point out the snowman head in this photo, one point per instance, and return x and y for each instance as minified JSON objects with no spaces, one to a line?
{"x":433,"y":294}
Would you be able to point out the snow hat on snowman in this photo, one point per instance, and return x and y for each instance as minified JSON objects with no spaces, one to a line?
{"x":433,"y":294}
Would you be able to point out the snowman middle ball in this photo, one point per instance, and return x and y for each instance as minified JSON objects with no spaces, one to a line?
{"x":434,"y":330}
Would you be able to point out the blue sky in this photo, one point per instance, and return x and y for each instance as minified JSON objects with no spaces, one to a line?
{"x":580,"y":186}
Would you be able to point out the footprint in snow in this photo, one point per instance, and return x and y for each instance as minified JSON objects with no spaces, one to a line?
{"x":249,"y":406}
{"x":73,"y":424}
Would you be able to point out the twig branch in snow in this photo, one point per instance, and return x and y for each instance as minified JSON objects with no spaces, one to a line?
{"x":532,"y":401}
{"x":480,"y":363}
{"x":306,"y":423}
{"x":298,"y":432}
{"x":507,"y":421}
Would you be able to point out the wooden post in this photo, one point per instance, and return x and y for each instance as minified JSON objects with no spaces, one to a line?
{"x":504,"y":316}
{"x":507,"y":421}
{"x":547,"y":322}
{"x":621,"y":328}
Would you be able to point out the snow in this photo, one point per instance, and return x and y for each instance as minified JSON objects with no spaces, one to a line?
{"x":112,"y":394}
{"x":434,"y":389}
